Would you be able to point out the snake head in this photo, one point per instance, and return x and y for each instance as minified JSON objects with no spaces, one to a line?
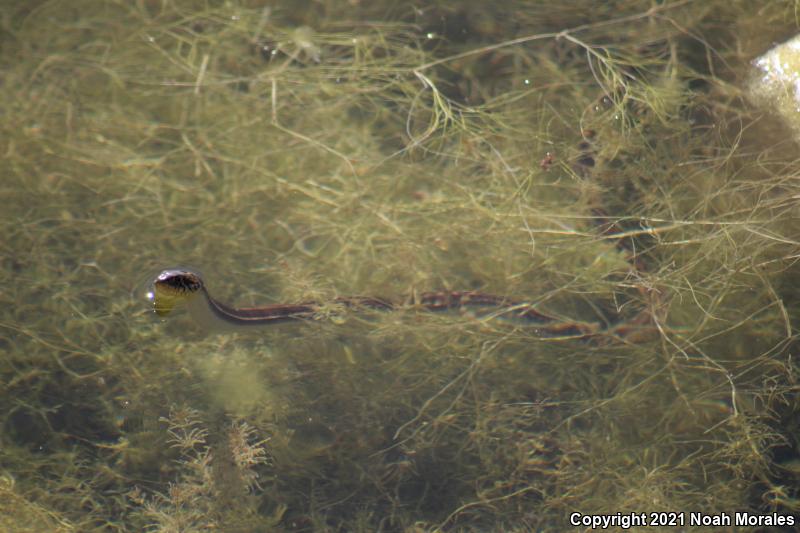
{"x":173,"y":287}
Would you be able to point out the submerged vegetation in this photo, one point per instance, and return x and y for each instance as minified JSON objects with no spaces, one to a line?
{"x":600,"y":160}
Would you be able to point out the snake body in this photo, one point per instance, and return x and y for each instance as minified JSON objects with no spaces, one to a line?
{"x":176,"y":286}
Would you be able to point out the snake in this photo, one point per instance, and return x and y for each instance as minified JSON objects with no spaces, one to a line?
{"x":182,"y":286}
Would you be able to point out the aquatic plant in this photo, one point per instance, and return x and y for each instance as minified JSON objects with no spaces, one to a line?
{"x":599,"y":161}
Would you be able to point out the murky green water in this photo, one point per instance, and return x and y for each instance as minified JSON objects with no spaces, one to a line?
{"x":307,"y":151}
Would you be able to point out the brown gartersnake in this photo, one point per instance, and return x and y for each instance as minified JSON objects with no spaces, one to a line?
{"x":183,"y":286}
